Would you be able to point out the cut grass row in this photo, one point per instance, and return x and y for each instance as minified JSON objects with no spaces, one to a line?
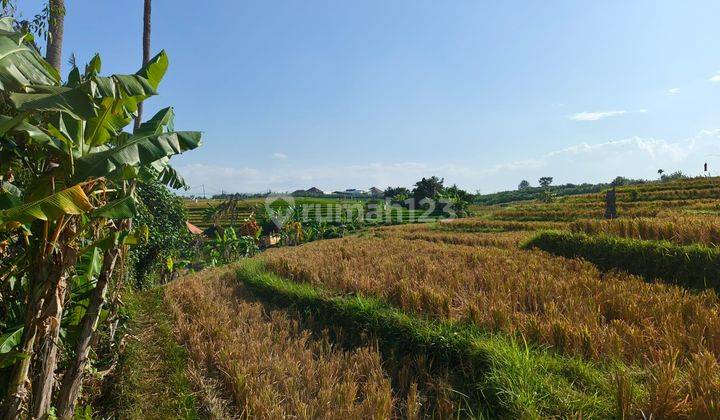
{"x":504,"y":378}
{"x":691,"y":266}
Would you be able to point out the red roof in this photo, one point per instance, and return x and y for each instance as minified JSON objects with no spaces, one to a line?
{"x":194,"y":229}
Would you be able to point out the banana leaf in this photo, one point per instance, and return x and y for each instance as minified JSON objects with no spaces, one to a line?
{"x":137,"y":150}
{"x":124,"y":208}
{"x":10,"y":339}
{"x":162,"y":120}
{"x":115,"y":239}
{"x":155,"y":69}
{"x":75,"y":101}
{"x":120,"y":95}
{"x":170,"y":177}
{"x":21,"y":65}
{"x":68,"y":201}
{"x":18,"y":125}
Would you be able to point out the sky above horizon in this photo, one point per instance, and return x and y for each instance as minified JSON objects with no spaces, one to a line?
{"x":355,"y":94}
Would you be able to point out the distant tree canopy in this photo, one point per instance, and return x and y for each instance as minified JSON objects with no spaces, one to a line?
{"x":533,"y":193}
{"x":673,"y":176}
{"x":524,"y":184}
{"x":392,"y":192}
{"x":459,"y":199}
{"x":428,"y":188}
{"x":620,"y":181}
{"x":545,"y":181}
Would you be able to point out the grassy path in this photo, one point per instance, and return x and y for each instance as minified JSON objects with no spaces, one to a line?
{"x":153,"y":382}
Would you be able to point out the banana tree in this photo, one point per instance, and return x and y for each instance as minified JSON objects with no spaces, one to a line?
{"x":79,"y":165}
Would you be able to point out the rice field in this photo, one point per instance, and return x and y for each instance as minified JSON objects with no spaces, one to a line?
{"x":568,"y":305}
{"x":685,"y":230}
{"x":649,"y":348}
{"x":254,"y":361}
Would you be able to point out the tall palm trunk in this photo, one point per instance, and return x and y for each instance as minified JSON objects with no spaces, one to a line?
{"x":56,"y":25}
{"x":74,"y":373}
{"x":147,"y":14}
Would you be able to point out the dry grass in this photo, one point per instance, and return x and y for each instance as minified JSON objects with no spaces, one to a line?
{"x":483,"y":225}
{"x":269,"y":364}
{"x":685,"y":230}
{"x":435,"y":234}
{"x":569,"y":213}
{"x":566,"y":304}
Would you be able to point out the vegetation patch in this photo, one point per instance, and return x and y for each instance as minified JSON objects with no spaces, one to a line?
{"x":508,"y":377}
{"x":692,"y":266}
{"x":152,"y":381}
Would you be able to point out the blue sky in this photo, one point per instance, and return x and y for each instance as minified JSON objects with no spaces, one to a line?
{"x":351,"y":94}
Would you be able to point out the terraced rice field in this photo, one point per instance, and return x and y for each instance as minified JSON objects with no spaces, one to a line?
{"x":512,"y":330}
{"x":327,"y":210}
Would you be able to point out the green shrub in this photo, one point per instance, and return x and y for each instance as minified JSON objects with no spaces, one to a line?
{"x":693,"y":266}
{"x":165,"y":216}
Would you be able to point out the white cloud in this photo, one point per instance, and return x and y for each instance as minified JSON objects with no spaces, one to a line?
{"x":715,"y":78}
{"x":673,"y":92}
{"x":279,"y":156}
{"x":635,"y":157}
{"x":595,"y":116}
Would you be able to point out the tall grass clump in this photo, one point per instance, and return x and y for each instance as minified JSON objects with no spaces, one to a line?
{"x":691,"y":266}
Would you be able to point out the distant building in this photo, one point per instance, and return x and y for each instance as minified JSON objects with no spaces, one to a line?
{"x":376,"y":192}
{"x":312,"y":192}
{"x":315,"y":192}
{"x":352,"y":192}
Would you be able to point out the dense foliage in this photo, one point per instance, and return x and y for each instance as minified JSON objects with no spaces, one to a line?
{"x":168,"y":238}
{"x":66,"y":219}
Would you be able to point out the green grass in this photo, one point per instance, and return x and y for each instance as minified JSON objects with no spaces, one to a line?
{"x":152,"y":381}
{"x":503,"y":377}
{"x":691,"y":266}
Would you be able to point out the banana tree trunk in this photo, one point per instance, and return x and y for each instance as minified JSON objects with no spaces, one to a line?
{"x":17,"y":391}
{"x":49,"y":334}
{"x":44,"y":274}
{"x":74,"y":374}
